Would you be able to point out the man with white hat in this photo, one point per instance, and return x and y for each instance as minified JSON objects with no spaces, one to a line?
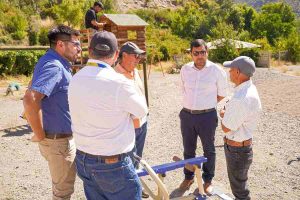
{"x":239,"y":120}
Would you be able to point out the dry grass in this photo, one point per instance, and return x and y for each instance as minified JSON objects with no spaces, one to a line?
{"x":21,"y":79}
{"x":283,"y":66}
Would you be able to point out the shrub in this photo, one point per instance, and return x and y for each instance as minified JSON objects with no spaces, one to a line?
{"x":225,"y":51}
{"x":293,"y":48}
{"x":252,"y":53}
{"x":7,"y":61}
{"x":17,"y":63}
{"x":43,"y":36}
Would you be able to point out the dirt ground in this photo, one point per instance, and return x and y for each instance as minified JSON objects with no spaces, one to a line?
{"x":274,"y":174}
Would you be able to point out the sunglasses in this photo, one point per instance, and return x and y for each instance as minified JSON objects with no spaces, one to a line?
{"x":137,"y":56}
{"x":197,"y":53}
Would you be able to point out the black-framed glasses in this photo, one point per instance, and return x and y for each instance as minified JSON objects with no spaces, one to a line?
{"x":197,"y":53}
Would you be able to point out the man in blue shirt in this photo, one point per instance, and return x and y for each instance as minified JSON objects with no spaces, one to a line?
{"x":47,"y":109}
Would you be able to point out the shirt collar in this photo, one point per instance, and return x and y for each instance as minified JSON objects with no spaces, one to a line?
{"x":245,"y":84}
{"x":99,"y":62}
{"x":64,"y":61}
{"x":206,"y":65}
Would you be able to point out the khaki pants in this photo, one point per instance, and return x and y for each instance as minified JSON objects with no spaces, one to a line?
{"x":60,"y":154}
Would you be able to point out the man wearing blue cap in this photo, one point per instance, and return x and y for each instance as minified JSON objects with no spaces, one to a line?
{"x":239,"y":120}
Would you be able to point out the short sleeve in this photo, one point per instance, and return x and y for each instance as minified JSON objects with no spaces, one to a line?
{"x":45,"y":80}
{"x":222,"y":83}
{"x":129,"y":100}
{"x":235,"y":114}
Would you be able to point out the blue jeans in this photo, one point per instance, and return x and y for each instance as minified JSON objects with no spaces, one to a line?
{"x":140,"y":137}
{"x":103,"y":181}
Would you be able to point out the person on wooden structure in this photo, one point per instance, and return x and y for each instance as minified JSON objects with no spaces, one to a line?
{"x":102,"y":103}
{"x":239,"y":120}
{"x":91,"y":20}
{"x":47,"y":109}
{"x":204,"y":84}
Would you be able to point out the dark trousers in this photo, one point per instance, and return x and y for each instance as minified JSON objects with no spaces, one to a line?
{"x":238,"y":161}
{"x":140,"y":137}
{"x":202,"y":125}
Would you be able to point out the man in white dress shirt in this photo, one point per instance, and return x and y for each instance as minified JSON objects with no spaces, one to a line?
{"x":102,"y":103}
{"x":204,"y":84}
{"x":240,"y":118}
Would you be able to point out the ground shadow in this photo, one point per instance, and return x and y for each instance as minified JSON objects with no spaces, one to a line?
{"x":177,"y":193}
{"x":17,"y":131}
{"x":294,"y":160}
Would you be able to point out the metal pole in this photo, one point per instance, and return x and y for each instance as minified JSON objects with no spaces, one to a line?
{"x":145,"y":81}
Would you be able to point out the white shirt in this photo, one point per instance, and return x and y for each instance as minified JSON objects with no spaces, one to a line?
{"x":242,"y":112}
{"x":101,"y":104}
{"x":201,"y":87}
{"x":135,"y":77}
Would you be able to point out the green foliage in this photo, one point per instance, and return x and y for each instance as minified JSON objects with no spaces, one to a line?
{"x":43,"y":36}
{"x":7,"y":61}
{"x":276,"y":20}
{"x":293,"y":47}
{"x":17,"y":25}
{"x":252,"y":53}
{"x":224,"y":52}
{"x":21,"y":62}
{"x":163,"y":45}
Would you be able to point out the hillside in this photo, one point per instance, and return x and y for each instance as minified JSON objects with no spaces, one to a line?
{"x":295,"y":4}
{"x":125,"y":5}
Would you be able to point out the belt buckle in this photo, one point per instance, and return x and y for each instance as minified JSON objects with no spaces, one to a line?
{"x":111,"y":160}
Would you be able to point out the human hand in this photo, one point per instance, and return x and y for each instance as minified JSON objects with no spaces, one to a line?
{"x":222,"y":112}
{"x":36,"y":138}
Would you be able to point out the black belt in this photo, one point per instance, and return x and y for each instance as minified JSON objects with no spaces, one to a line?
{"x":57,"y":136}
{"x":198,"y":111}
{"x":105,"y":159}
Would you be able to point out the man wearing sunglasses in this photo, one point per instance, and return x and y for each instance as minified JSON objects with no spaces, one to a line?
{"x":129,"y":57}
{"x":203,"y":86}
{"x":47,"y":109}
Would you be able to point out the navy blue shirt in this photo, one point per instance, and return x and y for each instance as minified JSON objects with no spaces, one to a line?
{"x":51,"y":77}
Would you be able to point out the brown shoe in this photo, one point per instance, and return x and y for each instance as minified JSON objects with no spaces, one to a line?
{"x":144,"y":195}
{"x":185,"y":185}
{"x":208,"y":188}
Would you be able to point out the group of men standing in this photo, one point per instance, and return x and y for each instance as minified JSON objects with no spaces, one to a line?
{"x":99,"y":116}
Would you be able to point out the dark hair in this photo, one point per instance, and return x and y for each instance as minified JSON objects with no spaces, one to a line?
{"x":98,"y":3}
{"x":198,"y":43}
{"x":96,"y":55}
{"x":61,"y":32}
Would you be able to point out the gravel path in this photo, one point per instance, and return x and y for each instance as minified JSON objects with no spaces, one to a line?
{"x":274,"y":174}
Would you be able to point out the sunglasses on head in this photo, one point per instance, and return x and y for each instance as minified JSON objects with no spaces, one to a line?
{"x":197,"y":53}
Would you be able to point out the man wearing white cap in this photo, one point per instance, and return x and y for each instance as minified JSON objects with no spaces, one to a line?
{"x":239,"y":120}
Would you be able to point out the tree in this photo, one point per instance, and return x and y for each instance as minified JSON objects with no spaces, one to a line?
{"x":276,"y":20}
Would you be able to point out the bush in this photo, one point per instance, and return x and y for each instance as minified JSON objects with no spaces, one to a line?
{"x":252,"y":53}
{"x":17,"y":63}
{"x":223,"y":53}
{"x":293,"y":48}
{"x":17,"y":26}
{"x":43,"y":36}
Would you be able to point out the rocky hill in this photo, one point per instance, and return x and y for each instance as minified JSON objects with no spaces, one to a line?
{"x":125,"y":5}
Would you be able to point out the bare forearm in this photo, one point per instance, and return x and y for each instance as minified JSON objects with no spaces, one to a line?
{"x":34,"y":116}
